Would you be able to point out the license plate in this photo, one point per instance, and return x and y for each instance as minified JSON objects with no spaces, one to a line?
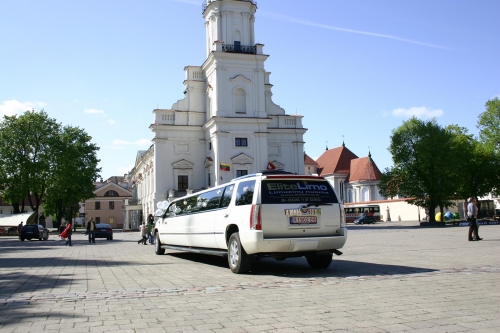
{"x":303,"y":219}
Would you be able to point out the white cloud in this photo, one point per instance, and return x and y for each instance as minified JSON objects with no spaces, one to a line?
{"x":123,"y":170}
{"x":111,"y":122}
{"x":12,"y":107}
{"x":419,"y":112}
{"x":94,"y":111}
{"x":331,"y":27}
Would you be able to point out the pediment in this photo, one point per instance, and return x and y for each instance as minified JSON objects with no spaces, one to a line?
{"x":122,"y":192}
{"x":183,"y":164}
{"x":138,"y":157}
{"x":242,"y":159}
{"x":209,"y":162}
{"x":240,"y":78}
{"x":278,"y":165}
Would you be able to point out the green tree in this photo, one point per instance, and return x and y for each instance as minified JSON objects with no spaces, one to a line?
{"x":73,"y":174}
{"x":475,"y":164}
{"x":424,"y":168}
{"x":25,"y":150}
{"x":489,"y":125}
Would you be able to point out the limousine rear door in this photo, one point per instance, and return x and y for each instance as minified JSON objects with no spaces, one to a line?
{"x":223,"y":216}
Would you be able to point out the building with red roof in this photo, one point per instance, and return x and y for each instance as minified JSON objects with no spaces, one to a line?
{"x":354,"y":178}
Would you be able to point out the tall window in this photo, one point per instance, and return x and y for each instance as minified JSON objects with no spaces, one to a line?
{"x":97,"y":220}
{"x":341,"y":190}
{"x":240,"y":101}
{"x":182,"y":183}
{"x":111,"y":205}
{"x":240,"y":173}
{"x":97,"y":205}
{"x":240,"y":142}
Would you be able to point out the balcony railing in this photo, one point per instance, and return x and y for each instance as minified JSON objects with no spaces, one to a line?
{"x":207,"y":2}
{"x":248,"y":49}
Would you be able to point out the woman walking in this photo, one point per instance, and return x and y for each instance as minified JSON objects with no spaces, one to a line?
{"x":67,"y":234}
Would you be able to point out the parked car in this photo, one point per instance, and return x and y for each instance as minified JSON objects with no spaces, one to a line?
{"x":31,"y":231}
{"x":103,"y":230}
{"x":365,"y":219}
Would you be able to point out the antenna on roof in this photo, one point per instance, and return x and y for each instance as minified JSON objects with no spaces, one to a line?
{"x":326,"y":144}
{"x":343,"y":144}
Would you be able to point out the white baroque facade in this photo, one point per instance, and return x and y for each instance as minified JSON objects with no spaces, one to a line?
{"x":227,"y":116}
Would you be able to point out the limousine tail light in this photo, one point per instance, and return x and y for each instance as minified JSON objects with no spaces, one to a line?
{"x":342,"y":217}
{"x":255,"y":221}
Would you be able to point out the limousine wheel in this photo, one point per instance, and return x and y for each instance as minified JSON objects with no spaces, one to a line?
{"x":158,"y":250}
{"x":239,"y":261}
{"x":319,"y":262}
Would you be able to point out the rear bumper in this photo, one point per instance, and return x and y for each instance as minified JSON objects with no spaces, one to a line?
{"x":253,"y":242}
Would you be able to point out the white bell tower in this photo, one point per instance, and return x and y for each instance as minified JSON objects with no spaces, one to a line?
{"x":230,"y":22}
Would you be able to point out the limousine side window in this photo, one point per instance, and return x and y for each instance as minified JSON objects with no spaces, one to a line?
{"x":184,"y":206}
{"x":244,"y":194}
{"x":228,"y":194}
{"x":209,"y":200}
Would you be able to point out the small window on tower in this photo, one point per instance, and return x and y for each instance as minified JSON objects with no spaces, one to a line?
{"x":240,"y":142}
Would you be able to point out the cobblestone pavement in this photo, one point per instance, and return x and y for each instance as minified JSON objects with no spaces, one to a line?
{"x":393,"y":277}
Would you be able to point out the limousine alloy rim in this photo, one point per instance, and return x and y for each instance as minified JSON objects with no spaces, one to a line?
{"x":234,"y":253}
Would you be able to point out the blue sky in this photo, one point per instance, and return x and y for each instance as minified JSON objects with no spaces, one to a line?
{"x":355,"y":69}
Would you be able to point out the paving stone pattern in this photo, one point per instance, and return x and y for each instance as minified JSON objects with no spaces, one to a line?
{"x":393,"y":277}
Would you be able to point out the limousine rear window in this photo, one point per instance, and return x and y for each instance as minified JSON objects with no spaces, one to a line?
{"x":305,"y":190}
{"x":244,"y":193}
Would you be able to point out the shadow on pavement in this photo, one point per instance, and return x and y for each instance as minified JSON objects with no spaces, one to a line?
{"x":299,"y":268}
{"x":17,"y":313}
{"x":12,"y":282}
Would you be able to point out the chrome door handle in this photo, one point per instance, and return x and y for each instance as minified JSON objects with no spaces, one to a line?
{"x":226,"y":215}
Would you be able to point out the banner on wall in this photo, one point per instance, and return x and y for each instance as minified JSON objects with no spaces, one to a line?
{"x":225,"y":167}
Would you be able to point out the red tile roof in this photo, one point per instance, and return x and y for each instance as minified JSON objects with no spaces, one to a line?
{"x":364,"y":169}
{"x":308,"y":160}
{"x":337,"y":160}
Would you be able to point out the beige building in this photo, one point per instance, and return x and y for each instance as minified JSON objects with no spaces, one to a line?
{"x":108,"y":204}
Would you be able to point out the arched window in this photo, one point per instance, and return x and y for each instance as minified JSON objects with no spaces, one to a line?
{"x":111,"y":193}
{"x":240,"y":101}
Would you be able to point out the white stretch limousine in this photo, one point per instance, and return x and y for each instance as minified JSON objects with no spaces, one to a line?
{"x":270,"y":213}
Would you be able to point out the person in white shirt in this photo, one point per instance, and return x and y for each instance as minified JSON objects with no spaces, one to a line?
{"x":472,"y":214}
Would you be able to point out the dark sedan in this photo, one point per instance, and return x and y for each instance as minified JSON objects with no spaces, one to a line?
{"x":31,"y":231}
{"x":103,"y":231}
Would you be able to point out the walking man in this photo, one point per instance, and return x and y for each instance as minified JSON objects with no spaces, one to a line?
{"x":91,"y":230}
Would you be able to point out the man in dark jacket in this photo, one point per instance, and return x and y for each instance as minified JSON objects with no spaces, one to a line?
{"x":91,"y":230}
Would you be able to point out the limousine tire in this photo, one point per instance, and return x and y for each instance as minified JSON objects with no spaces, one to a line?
{"x":158,"y":250}
{"x":319,"y":262}
{"x":239,"y":261}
